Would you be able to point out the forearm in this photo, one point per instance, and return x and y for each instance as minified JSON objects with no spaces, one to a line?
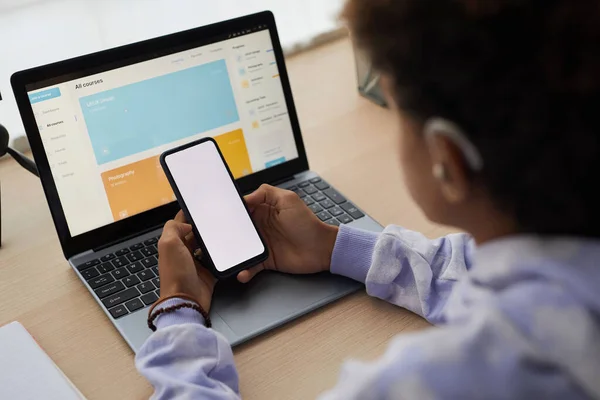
{"x":185,"y":359}
{"x":403,"y":267}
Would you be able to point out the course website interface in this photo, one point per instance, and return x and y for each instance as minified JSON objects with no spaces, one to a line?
{"x":104,"y":133}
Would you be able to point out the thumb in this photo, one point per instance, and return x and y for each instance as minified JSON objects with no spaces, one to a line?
{"x":247,"y":275}
{"x":264,"y":194}
{"x":175,"y":229}
{"x":253,"y":200}
{"x":180,"y":217}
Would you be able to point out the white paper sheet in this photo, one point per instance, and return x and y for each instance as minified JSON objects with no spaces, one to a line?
{"x":26,"y":371}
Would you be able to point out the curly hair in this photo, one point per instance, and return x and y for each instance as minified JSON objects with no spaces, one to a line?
{"x":521,"y":77}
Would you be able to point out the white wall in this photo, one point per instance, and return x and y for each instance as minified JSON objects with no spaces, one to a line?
{"x":36,"y":32}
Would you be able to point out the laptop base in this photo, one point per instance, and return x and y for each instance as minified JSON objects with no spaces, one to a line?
{"x":241,"y":312}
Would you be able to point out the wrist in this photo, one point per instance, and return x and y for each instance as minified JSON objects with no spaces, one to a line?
{"x":202,"y":296}
{"x":328,"y":242}
{"x":176,"y":311}
{"x":205,"y":300}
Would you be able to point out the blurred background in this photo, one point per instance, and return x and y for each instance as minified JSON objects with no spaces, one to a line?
{"x":36,"y":32}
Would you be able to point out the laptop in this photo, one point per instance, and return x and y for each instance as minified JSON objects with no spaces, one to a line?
{"x":97,"y":125}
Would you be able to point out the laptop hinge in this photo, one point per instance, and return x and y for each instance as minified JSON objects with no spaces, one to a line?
{"x":127,"y":238}
{"x":279,"y":182}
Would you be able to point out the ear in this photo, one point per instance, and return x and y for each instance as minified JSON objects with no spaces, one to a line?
{"x":449,"y":168}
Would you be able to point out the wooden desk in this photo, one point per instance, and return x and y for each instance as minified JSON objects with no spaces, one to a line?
{"x":350,"y":142}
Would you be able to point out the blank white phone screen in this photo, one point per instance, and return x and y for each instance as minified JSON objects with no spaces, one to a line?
{"x":214,"y":205}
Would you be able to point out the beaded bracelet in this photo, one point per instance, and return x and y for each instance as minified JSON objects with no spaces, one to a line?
{"x":152,"y":315}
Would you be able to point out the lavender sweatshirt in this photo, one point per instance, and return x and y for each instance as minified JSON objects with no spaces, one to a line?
{"x":518,"y":318}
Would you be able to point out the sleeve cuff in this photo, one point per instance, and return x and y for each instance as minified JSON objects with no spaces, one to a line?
{"x":177,"y":317}
{"x":353,"y":252}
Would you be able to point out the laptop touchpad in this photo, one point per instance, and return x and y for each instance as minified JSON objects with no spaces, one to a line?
{"x":272,"y":299}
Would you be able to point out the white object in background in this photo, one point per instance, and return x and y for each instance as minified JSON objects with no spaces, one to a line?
{"x":52,"y":30}
{"x":26,"y":371}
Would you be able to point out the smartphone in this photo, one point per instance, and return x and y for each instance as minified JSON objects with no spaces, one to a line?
{"x":213,"y":204}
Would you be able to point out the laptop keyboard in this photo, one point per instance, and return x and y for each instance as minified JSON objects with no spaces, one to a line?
{"x":127,"y":280}
{"x":326,"y":202}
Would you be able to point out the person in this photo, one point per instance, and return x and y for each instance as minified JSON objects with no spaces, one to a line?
{"x":497,"y":103}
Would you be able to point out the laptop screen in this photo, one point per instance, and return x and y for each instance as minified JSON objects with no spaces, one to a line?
{"x":103,"y":133}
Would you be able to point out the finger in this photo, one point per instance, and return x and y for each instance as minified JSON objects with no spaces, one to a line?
{"x":190,"y":239}
{"x":180,"y":217}
{"x":265,"y":194}
{"x":190,"y":242}
{"x":175,"y":230}
{"x":247,"y":275}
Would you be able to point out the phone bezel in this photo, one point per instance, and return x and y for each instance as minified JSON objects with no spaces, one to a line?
{"x":206,"y":257}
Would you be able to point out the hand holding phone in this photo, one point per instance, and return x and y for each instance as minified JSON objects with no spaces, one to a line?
{"x":212,"y":203}
{"x":179,"y":270}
